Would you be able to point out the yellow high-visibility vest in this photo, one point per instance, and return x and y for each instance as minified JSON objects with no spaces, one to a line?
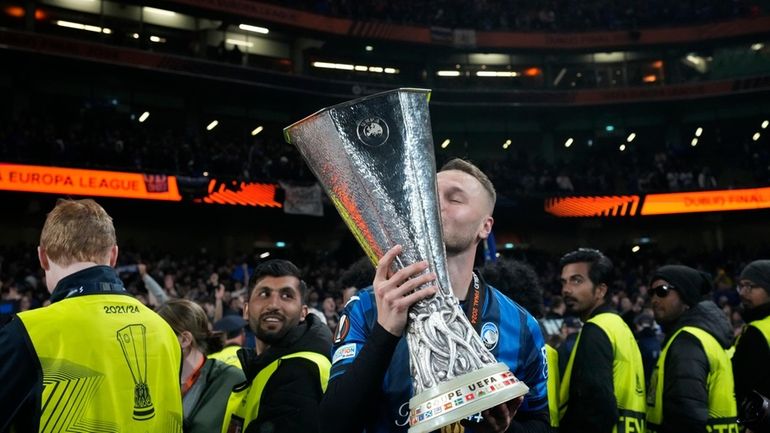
{"x":552,"y":358}
{"x":627,"y":374}
{"x":244,"y":404}
{"x":228,"y":355}
{"x":109,"y":364}
{"x":723,"y":411}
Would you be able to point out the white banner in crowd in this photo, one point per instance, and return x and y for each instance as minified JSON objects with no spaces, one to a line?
{"x":303,"y":200}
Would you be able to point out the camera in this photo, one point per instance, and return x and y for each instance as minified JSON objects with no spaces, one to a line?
{"x":755,"y":413}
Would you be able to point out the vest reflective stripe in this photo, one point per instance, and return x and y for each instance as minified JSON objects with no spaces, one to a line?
{"x":627,"y":374}
{"x":764,"y":327}
{"x":244,"y":404}
{"x":723,"y":411}
{"x":228,"y":355}
{"x":109,"y":364}
{"x":552,"y":358}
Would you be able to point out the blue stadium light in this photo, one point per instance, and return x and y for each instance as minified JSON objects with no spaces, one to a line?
{"x":609,"y":128}
{"x":280,"y":244}
{"x":509,"y":246}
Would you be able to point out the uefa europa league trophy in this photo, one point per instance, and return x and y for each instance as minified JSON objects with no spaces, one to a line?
{"x":133,"y":341}
{"x":374,"y":157}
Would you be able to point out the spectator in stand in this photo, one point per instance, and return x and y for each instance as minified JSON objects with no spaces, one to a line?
{"x":649,"y":342}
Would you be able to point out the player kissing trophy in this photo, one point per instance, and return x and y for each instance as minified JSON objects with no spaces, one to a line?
{"x":374,"y":157}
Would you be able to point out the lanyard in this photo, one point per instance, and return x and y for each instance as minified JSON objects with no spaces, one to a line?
{"x":474,"y":302}
{"x":193,"y":377}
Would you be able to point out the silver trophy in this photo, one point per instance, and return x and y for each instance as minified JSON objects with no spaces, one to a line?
{"x":374,"y":157}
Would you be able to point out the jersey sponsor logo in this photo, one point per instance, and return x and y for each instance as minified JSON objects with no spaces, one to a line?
{"x":344,"y":352}
{"x":343,"y":327}
{"x":489,"y":335}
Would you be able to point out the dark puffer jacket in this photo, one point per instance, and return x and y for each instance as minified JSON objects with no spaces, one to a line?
{"x":291,"y":396}
{"x":685,"y":394}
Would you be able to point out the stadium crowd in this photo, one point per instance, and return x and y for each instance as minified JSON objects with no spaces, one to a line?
{"x":552,"y":16}
{"x":115,"y":141}
{"x":588,"y":337}
{"x":198,"y":276}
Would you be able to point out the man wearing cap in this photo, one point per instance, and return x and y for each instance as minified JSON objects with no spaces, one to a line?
{"x":602,"y":389}
{"x":235,"y":337}
{"x":691,"y":389}
{"x":752,"y":350}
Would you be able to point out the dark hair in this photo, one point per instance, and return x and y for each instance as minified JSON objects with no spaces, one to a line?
{"x":278,"y":268}
{"x":359,"y":275}
{"x":599,"y":266}
{"x":518,"y":281}
{"x":471,"y":169}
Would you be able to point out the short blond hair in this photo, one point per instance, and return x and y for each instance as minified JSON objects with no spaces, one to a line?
{"x":77,"y":231}
{"x":471,"y":169}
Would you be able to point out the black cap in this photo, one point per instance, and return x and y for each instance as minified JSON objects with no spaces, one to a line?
{"x":758,"y":272}
{"x":230,"y":324}
{"x":691,"y":284}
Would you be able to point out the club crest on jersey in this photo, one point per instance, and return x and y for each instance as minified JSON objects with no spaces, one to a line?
{"x":490,"y":335}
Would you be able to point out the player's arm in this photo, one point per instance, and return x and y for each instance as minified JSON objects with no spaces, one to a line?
{"x":360,"y":358}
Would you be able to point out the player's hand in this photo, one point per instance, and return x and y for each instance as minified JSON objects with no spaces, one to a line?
{"x":142,"y":268}
{"x":496,"y":419}
{"x":395,"y":292}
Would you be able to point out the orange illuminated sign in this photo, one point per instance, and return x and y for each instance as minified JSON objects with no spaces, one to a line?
{"x":707,"y":201}
{"x":246,"y":194}
{"x":615,"y":205}
{"x":75,"y":181}
{"x":660,"y":204}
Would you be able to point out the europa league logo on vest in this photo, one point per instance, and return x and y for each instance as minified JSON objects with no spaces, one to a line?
{"x":133,"y":341}
{"x":373,"y":131}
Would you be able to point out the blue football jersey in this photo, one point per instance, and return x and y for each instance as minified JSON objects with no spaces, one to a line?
{"x":507,"y":330}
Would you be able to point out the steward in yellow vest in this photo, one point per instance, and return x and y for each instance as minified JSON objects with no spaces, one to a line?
{"x":691,"y":388}
{"x":287,"y":374}
{"x":235,"y":337}
{"x":228,"y":355}
{"x":602,"y":388}
{"x":752,"y":349}
{"x":612,"y":340}
{"x":96,"y":359}
{"x":554,"y":382}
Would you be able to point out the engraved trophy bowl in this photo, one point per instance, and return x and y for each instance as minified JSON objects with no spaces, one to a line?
{"x":374,"y":158}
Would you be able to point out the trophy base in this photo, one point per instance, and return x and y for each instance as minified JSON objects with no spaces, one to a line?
{"x":462,"y":397}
